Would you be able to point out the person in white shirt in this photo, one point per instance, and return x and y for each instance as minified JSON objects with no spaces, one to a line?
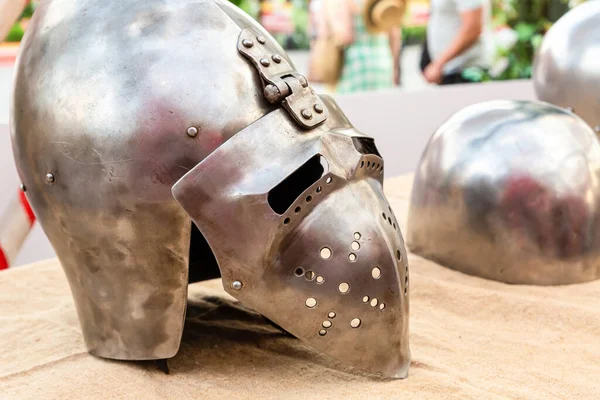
{"x":457,"y":35}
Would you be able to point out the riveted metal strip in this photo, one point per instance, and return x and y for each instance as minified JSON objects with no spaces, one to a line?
{"x":283,"y":84}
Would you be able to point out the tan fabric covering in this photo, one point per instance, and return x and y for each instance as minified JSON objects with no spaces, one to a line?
{"x":470,"y":339}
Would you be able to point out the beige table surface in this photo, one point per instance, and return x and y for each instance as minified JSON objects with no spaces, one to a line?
{"x":470,"y":339}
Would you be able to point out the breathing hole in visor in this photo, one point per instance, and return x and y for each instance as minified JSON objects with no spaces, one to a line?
{"x":282,"y":196}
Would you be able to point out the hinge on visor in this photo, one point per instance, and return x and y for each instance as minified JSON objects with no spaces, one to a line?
{"x":283,"y":84}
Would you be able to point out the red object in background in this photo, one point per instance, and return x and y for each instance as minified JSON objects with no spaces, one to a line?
{"x":26,"y":207}
{"x":15,"y":225}
{"x":3,"y":260}
{"x":276,"y":17}
{"x":8,"y":53}
{"x":417,"y":13}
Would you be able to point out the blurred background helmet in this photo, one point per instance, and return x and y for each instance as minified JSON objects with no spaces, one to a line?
{"x":510,"y":191}
{"x":131,"y":119}
{"x":566,"y":69}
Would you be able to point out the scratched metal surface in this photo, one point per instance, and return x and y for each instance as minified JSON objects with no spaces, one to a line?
{"x":114,"y":103}
{"x":509,"y":190}
{"x":104,"y":96}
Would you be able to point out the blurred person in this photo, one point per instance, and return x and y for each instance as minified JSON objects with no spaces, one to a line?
{"x":314,"y":10}
{"x":370,"y":61}
{"x":457,"y":38}
{"x":314,"y":13}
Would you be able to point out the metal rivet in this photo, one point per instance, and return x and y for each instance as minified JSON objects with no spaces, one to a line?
{"x":306,"y":114}
{"x":272,"y":94}
{"x":276,"y":58}
{"x":247,"y":43}
{"x":571,"y":109}
{"x":23,"y":188}
{"x":236,"y":285}
{"x":318,"y":108}
{"x":50,"y":177}
{"x":265,"y":62}
{"x":261,"y":39}
{"x":192,"y":131}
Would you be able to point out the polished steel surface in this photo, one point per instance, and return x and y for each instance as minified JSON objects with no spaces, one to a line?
{"x":510,"y":190}
{"x":336,"y":244}
{"x":117,"y":101}
{"x":104,"y":95}
{"x":566,"y":71}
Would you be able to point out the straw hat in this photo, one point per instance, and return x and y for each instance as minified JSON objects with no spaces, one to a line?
{"x":382,"y":15}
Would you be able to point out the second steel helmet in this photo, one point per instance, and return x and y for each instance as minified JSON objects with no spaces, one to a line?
{"x":510,"y":190}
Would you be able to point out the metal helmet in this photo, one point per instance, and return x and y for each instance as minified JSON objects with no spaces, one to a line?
{"x":510,"y":191}
{"x":132,"y":119}
{"x":566,"y":70}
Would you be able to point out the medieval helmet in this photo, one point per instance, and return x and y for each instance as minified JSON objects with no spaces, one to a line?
{"x":132,"y":119}
{"x":566,"y":69}
{"x":510,"y":191}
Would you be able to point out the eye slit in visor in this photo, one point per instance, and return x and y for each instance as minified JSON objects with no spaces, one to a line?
{"x":365,"y":145}
{"x":282,"y":196}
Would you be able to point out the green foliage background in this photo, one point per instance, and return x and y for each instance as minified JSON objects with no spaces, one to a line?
{"x":530,"y":19}
{"x":16,"y":32}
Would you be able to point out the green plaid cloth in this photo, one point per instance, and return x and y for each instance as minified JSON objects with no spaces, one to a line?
{"x":368,"y":62}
